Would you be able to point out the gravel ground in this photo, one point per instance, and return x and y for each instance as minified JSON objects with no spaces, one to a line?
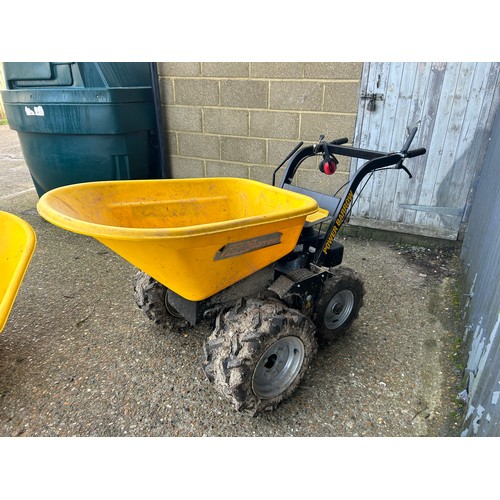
{"x":78,"y":358}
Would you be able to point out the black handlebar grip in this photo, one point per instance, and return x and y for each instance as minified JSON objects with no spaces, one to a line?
{"x":338,"y":142}
{"x":416,"y":152}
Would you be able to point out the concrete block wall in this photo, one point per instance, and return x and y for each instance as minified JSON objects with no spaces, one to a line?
{"x":241,"y":119}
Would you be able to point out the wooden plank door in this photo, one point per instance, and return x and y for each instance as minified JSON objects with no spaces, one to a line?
{"x":453,"y":105}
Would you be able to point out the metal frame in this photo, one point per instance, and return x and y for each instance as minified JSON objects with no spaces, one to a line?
{"x":376,"y":160}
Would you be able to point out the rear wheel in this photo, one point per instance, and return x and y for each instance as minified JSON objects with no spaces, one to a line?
{"x":339,"y":303}
{"x":152,"y":298}
{"x":258,"y":354}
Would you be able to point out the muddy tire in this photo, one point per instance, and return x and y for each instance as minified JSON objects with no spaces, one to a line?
{"x":339,"y":304}
{"x":152,"y":298}
{"x":258,"y":354}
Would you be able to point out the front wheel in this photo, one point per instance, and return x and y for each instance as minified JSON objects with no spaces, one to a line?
{"x":258,"y":354}
{"x":339,"y":303}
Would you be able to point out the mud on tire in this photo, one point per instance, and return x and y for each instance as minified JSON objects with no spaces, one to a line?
{"x":258,"y":354}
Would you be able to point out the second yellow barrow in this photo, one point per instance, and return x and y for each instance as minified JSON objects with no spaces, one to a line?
{"x":17,"y":244}
{"x":195,"y":236}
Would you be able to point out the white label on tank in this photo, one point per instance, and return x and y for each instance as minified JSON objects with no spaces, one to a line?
{"x":36,"y":111}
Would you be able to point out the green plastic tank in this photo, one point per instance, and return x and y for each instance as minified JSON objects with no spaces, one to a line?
{"x":80,"y":122}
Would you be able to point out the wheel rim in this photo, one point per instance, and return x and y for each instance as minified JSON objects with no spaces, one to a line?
{"x":339,"y":309}
{"x":278,"y":367}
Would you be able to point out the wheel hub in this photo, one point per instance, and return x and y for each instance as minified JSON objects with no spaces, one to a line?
{"x":278,"y":367}
{"x":339,"y":309}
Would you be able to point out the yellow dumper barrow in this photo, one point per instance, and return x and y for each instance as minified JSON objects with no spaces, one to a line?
{"x":196,"y":236}
{"x":260,"y":260}
{"x":17,"y":244}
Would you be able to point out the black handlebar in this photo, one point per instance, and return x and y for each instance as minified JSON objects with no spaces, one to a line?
{"x":329,"y":149}
{"x":338,"y":142}
{"x":416,"y":152}
{"x":377,"y":160}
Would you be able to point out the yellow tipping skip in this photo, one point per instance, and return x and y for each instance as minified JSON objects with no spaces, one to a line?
{"x":195,"y":236}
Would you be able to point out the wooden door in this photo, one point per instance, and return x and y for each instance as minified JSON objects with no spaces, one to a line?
{"x":453,"y":105}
